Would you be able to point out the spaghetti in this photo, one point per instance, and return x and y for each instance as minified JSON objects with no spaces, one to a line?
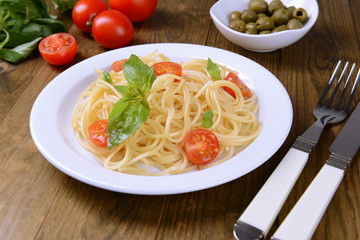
{"x":177,"y":105}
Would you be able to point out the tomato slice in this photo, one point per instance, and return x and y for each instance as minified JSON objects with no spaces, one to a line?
{"x":161,"y":68}
{"x":201,"y":146}
{"x":98,"y":134}
{"x":58,"y":48}
{"x":117,"y":65}
{"x":232,"y":77}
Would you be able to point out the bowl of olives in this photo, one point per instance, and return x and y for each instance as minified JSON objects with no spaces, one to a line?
{"x":264,"y":25}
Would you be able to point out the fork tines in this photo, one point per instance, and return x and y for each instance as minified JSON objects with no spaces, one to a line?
{"x":337,"y":86}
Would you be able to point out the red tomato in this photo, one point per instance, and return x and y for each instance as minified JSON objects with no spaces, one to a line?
{"x":136,"y":10}
{"x":85,"y":11}
{"x":235,"y":79}
{"x":161,"y":68}
{"x":117,"y":65}
{"x":58,"y":48}
{"x":112,"y":29}
{"x":98,"y":134}
{"x":201,"y":146}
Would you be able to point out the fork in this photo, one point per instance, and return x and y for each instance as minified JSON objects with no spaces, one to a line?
{"x":256,"y":220}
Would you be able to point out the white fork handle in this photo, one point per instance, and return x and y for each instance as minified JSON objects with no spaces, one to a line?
{"x":304,"y":218}
{"x":266,"y":205}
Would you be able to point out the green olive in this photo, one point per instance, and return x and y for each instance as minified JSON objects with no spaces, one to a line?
{"x":251,"y":31}
{"x":248,"y":15}
{"x":265,"y":32}
{"x":275,"y":5}
{"x":281,"y":16}
{"x":251,"y":25}
{"x":294,"y":24}
{"x":238,"y":25}
{"x":300,"y":14}
{"x":265,"y":23}
{"x":258,"y":6}
{"x":234,"y":15}
{"x":291,"y":9}
{"x":280,"y":28}
{"x":261,"y":15}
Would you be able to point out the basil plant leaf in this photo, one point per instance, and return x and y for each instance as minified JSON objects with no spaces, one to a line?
{"x":64,"y":5}
{"x":207,"y":119}
{"x":20,"y":52}
{"x":54,"y":24}
{"x":138,"y":74}
{"x":213,"y":69}
{"x":126,"y":117}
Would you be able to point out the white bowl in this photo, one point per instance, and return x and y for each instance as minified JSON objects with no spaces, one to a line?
{"x":220,"y":11}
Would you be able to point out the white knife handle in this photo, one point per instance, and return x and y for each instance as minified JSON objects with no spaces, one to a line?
{"x":304,"y":218}
{"x":264,"y":208}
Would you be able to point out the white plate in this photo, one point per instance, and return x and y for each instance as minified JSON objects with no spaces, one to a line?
{"x":51,"y":131}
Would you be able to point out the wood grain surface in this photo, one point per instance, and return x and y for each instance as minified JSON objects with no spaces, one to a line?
{"x":37,"y":201}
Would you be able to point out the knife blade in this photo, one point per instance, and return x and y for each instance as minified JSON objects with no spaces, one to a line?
{"x":347,"y":142}
{"x":303,"y":219}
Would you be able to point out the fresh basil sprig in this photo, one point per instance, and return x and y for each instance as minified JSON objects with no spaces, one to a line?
{"x":138,"y":74}
{"x":207,"y":119}
{"x":22,"y":24}
{"x":213,"y":70}
{"x":132,"y":110}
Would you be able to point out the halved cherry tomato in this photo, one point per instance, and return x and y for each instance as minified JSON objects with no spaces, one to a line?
{"x":98,"y":134}
{"x":85,"y":11}
{"x":201,"y":146}
{"x":235,"y":79}
{"x":117,"y":65}
{"x":58,"y":48}
{"x":161,"y":68}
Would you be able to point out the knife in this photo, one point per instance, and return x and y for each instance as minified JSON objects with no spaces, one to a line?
{"x":304,"y":218}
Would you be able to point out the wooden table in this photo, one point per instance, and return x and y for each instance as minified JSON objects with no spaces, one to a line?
{"x":37,"y":201}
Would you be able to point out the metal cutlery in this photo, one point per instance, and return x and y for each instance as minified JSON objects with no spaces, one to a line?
{"x":256,"y":220}
{"x":303,"y":219}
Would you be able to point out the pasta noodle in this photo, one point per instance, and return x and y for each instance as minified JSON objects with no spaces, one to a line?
{"x":176,"y":107}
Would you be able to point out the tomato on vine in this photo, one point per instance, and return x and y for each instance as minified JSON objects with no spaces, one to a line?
{"x":85,"y":11}
{"x":112,"y":29}
{"x":136,"y":10}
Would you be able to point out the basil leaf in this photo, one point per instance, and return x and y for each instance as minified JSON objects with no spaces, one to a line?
{"x":213,"y":70}
{"x":54,"y":24}
{"x":106,"y":77}
{"x":64,"y":5}
{"x":138,"y":74}
{"x":20,"y":52}
{"x":207,"y":119}
{"x":126,"y":117}
{"x":128,"y":91}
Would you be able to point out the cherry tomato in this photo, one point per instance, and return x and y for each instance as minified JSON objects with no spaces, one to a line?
{"x":136,"y":10}
{"x":112,"y":29}
{"x":161,"y":68}
{"x":235,"y":79}
{"x":98,"y":134}
{"x":117,"y":65}
{"x":58,"y":48}
{"x":201,"y":146}
{"x":85,"y":11}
